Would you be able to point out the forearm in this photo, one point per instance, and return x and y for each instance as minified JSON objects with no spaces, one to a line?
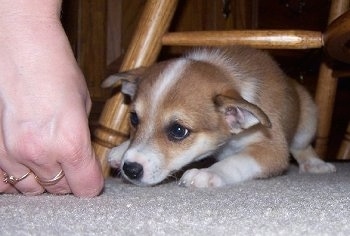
{"x":30,"y":8}
{"x":31,"y":35}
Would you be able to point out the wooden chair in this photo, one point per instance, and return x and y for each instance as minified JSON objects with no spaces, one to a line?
{"x":151,"y":34}
{"x":344,"y":151}
{"x":337,"y":45}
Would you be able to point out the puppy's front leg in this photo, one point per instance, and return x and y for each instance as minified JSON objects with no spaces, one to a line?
{"x":259,"y":160}
{"x":231,"y":170}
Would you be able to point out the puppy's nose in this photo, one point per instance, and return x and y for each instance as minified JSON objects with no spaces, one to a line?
{"x":133,"y":170}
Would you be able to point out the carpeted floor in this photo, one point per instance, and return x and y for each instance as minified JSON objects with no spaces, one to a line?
{"x":292,"y":204}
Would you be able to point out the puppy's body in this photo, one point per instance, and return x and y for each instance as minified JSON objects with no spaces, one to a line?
{"x":234,"y":104}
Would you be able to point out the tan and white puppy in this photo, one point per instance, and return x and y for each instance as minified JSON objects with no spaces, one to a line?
{"x":231,"y":103}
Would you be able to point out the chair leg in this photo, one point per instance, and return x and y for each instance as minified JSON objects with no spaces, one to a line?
{"x":326,"y":89}
{"x":344,"y":151}
{"x":325,"y":96}
{"x":143,"y":50}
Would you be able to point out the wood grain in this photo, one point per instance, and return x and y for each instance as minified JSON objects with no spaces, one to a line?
{"x":264,"y":39}
{"x":91,"y":50}
{"x":337,"y":38}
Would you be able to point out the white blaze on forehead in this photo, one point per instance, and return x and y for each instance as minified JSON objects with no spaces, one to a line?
{"x":172,"y":73}
{"x":159,"y":91}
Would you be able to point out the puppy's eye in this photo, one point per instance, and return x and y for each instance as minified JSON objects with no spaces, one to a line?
{"x":134,"y":119}
{"x":177,"y":132}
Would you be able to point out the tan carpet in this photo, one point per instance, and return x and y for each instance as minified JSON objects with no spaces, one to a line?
{"x":292,"y":204}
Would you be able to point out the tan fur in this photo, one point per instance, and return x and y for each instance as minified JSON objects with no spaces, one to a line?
{"x":236,"y":104}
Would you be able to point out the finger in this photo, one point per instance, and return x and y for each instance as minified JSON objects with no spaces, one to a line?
{"x":40,"y":156}
{"x":12,"y":167}
{"x":20,"y":178}
{"x":29,"y":186}
{"x":45,"y":170}
{"x":44,"y":167}
{"x":52,"y":179}
{"x":6,"y":187}
{"x":82,"y":170}
{"x":84,"y":176}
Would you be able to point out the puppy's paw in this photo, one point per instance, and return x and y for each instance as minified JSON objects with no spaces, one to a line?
{"x":202,"y":178}
{"x":114,"y":160}
{"x":316,"y":166}
{"x":116,"y":154}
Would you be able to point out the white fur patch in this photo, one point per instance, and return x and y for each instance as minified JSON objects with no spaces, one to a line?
{"x":171,"y":74}
{"x":238,"y":143}
{"x":316,"y":166}
{"x":229,"y":171}
{"x":309,"y":162}
{"x":202,"y":178}
{"x":248,"y":92}
{"x":152,"y":163}
{"x":237,"y":169}
{"x":116,"y":154}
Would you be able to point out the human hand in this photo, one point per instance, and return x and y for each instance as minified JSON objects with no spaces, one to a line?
{"x":44,"y":105}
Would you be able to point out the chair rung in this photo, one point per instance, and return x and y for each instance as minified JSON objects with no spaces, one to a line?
{"x":264,"y":39}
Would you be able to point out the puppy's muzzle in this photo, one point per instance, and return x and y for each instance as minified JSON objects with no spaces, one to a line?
{"x":133,"y":170}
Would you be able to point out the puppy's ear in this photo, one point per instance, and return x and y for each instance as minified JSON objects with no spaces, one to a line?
{"x":128,"y":79}
{"x":239,"y":113}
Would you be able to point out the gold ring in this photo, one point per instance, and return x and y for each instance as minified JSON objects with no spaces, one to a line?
{"x":9,"y":179}
{"x":52,"y":181}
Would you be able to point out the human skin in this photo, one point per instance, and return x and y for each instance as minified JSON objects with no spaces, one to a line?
{"x":44,"y":104}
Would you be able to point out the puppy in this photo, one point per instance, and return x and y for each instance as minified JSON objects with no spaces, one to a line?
{"x":231,"y":103}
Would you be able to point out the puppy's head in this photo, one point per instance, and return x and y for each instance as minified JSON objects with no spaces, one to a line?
{"x":182,"y":111}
